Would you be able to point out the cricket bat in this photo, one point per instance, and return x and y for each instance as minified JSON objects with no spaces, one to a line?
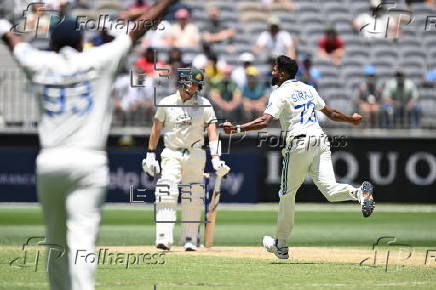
{"x":211,"y":215}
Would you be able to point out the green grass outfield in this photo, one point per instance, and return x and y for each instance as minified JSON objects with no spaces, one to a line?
{"x":326,"y":225}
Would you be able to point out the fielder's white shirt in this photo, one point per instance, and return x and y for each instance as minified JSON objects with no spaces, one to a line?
{"x":294,"y":103}
{"x":73,"y":90}
{"x":184,"y":126}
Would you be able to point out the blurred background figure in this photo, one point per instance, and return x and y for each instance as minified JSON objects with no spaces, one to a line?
{"x":401,"y":108}
{"x":274,"y":41}
{"x":145,"y":64}
{"x":213,"y":71}
{"x":254,"y":96}
{"x":307,"y":73}
{"x":158,"y":38}
{"x":37,"y":22}
{"x":288,"y":4}
{"x":331,"y":46}
{"x":175,"y":62}
{"x":217,"y":31}
{"x":367,"y":98}
{"x":183,"y":33}
{"x":226,"y":96}
{"x":238,"y":75}
{"x":202,"y":59}
{"x":133,"y":105}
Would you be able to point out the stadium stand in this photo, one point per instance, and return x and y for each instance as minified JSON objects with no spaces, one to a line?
{"x":412,"y":52}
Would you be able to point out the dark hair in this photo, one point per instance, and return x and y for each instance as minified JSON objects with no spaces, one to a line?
{"x":66,"y":33}
{"x":287,"y":65}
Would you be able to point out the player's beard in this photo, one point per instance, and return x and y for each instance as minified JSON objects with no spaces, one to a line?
{"x":274,"y":81}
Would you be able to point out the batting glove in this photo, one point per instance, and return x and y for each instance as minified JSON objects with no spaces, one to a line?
{"x":5,"y":26}
{"x":150,"y":165}
{"x":220,"y":166}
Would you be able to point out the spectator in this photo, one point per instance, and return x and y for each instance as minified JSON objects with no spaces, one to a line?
{"x":184,"y":34}
{"x":401,"y":102}
{"x":331,"y":46}
{"x":430,"y":79}
{"x":287,"y":3}
{"x":214,"y":69}
{"x":307,"y":74}
{"x":175,"y":61}
{"x":216,"y":31}
{"x":171,"y":15}
{"x":238,"y":76}
{"x":227,"y":96}
{"x":133,"y":105}
{"x":368,"y":98}
{"x":374,"y":24}
{"x":253,"y":94}
{"x":274,"y":41}
{"x":157,"y":37}
{"x":145,"y":64}
{"x":201,"y":60}
{"x":38,"y":22}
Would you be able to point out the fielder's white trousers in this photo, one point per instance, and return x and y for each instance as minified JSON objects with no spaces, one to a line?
{"x":182,"y":173}
{"x":302,"y":157}
{"x":71,"y":187}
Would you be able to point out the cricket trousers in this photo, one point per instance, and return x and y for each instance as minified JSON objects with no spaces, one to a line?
{"x":182,"y":173}
{"x":301,"y":157}
{"x":71,"y":185}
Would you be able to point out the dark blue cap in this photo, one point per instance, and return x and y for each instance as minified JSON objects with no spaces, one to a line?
{"x":66,"y":33}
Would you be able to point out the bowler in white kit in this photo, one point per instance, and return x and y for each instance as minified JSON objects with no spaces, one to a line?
{"x":184,"y":116}
{"x":307,"y":150}
{"x":73,"y":89}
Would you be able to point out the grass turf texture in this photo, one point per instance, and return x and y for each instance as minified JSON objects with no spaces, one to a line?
{"x":134,"y":227}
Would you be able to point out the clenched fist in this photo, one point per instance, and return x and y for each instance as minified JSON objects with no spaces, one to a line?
{"x":356,"y":119}
{"x":228,"y":127}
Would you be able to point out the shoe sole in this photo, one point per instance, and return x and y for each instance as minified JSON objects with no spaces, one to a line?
{"x":190,"y":250}
{"x":368,"y":204}
{"x":277,"y":254}
{"x":162,"y":247}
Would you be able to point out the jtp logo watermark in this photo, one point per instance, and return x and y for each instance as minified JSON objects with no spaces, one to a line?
{"x":391,"y":255}
{"x":37,"y":254}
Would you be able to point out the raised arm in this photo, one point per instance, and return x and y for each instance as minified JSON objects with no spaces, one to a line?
{"x":151,"y":16}
{"x":257,"y":124}
{"x":337,"y":116}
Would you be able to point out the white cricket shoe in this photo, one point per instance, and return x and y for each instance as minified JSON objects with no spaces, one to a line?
{"x":270,"y":244}
{"x":365,"y":198}
{"x":190,"y":247}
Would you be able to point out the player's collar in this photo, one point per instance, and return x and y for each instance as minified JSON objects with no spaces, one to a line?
{"x":179,"y":99}
{"x":289,"y":81}
{"x":68,"y":50}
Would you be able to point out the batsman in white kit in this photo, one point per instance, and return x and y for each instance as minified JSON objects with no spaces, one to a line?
{"x":307,"y":149}
{"x":184,"y":116}
{"x":73,"y":89}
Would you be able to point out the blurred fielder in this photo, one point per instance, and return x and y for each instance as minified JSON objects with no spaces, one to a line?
{"x":184,"y":115}
{"x":73,"y":89}
{"x":307,"y":149}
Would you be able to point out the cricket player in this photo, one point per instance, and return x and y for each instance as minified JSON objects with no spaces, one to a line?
{"x":307,"y":150}
{"x":73,"y":89}
{"x":184,"y":115}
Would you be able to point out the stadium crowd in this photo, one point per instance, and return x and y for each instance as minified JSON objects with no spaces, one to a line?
{"x":361,"y":57}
